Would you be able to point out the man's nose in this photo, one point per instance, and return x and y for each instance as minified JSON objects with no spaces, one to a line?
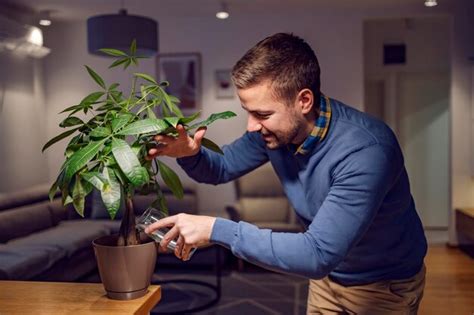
{"x":253,"y":124}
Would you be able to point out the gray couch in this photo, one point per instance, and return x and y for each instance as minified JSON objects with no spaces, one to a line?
{"x":42,"y":240}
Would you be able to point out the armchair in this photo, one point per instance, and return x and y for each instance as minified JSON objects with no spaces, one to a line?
{"x":262,"y":201}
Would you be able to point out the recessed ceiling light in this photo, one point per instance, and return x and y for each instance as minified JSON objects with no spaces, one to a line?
{"x":45,"y":18}
{"x":223,"y":13}
{"x":431,"y":3}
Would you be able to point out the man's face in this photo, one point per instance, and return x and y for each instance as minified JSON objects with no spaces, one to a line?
{"x":278,"y":123}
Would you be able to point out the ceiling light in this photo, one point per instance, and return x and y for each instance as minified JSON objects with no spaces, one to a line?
{"x":223,"y":13}
{"x":44,"y":18}
{"x":431,"y":3}
{"x":119,"y":30}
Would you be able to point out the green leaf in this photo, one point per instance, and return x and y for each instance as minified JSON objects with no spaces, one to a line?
{"x":171,"y":180}
{"x":173,"y":121}
{"x":100,"y":132}
{"x":58,"y":138}
{"x":211,"y":145}
{"x":96,"y":179}
{"x":171,"y":105}
{"x":111,"y":193}
{"x":113,"y":86}
{"x":187,"y":120}
{"x":160,"y":202}
{"x":113,"y":52}
{"x":127,"y":63}
{"x":119,"y":122}
{"x":91,"y":98}
{"x":133,"y":47}
{"x":78,"y":195}
{"x":150,"y":113}
{"x":212,"y":118}
{"x":145,"y":77}
{"x":129,"y":163}
{"x":144,"y":126}
{"x":71,"y":108}
{"x":53,"y":189}
{"x":71,"y":121}
{"x":119,"y":62}
{"x":96,"y":77}
{"x":79,"y":159}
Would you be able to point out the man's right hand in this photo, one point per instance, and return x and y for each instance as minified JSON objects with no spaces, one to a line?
{"x":177,"y":147}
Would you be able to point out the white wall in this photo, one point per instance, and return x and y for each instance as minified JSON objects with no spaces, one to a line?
{"x":22,"y":127}
{"x":417,"y":92}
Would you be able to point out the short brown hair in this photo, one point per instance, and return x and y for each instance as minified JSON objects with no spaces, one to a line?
{"x":284,"y":59}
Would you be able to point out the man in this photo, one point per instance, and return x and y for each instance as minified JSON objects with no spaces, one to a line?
{"x":343,"y":173}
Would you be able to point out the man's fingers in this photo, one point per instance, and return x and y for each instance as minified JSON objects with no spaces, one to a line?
{"x":185,"y":252}
{"x":154,"y":152}
{"x":179,"y":246}
{"x":164,"y":139}
{"x":199,"y":135}
{"x":168,"y":237}
{"x":182,"y":134}
{"x":165,"y":222}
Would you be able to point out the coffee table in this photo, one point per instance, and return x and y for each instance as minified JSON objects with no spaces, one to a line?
{"x":31,"y":297}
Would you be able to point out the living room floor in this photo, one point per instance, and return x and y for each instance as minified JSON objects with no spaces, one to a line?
{"x":249,"y":292}
{"x":449,"y":288}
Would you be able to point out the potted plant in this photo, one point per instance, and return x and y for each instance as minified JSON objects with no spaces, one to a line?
{"x":108,"y":153}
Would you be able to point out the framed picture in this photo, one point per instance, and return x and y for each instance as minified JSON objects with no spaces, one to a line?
{"x":223,"y":84}
{"x":183,"y":72}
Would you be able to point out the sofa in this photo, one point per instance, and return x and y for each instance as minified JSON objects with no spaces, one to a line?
{"x":44,"y":241}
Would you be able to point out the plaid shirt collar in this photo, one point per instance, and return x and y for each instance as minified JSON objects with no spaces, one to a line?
{"x":320,"y":129}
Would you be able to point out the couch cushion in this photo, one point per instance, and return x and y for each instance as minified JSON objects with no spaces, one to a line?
{"x":26,"y":196}
{"x":25,"y":261}
{"x":69,"y":236}
{"x":58,"y":211}
{"x":24,"y":220}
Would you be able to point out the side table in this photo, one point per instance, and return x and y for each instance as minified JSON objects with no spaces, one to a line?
{"x":42,"y":298}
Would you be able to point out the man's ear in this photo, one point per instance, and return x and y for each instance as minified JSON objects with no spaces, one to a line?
{"x":305,"y":101}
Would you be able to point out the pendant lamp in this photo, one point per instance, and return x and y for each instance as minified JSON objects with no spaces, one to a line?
{"x":119,"y":30}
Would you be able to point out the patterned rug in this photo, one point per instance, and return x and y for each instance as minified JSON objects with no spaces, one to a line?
{"x":249,"y":292}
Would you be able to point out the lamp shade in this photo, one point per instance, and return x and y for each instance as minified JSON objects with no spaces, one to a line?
{"x":119,"y":30}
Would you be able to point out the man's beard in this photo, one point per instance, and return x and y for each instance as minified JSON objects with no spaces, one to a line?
{"x":279,"y":139}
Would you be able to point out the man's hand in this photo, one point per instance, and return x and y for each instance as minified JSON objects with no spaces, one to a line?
{"x":190,"y":230}
{"x":181,"y":146}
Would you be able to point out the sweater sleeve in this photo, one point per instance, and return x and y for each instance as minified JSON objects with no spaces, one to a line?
{"x":360,"y":183}
{"x":240,"y":157}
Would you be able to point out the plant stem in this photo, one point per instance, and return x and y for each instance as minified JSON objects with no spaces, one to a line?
{"x":132,"y":94}
{"x":128,"y":234}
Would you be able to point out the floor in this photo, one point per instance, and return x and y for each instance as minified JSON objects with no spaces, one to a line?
{"x":249,"y":292}
{"x":449,"y":288}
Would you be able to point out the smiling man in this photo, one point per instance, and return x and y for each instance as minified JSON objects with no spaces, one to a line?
{"x":343,"y":172}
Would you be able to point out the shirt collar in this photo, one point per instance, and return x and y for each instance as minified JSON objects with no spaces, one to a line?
{"x":320,"y":129}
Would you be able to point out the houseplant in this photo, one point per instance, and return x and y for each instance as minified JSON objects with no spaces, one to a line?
{"x":108,"y":153}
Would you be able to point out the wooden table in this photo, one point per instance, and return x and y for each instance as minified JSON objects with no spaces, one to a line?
{"x":46,"y":298}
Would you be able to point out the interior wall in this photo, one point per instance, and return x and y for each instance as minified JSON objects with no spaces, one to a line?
{"x":415,"y":103}
{"x":462,"y":183}
{"x":22,"y":123}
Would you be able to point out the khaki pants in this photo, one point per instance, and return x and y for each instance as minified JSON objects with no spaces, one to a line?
{"x":384,"y":297}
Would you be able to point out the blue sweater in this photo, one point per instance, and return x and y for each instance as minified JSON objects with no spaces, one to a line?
{"x":351,"y":191}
